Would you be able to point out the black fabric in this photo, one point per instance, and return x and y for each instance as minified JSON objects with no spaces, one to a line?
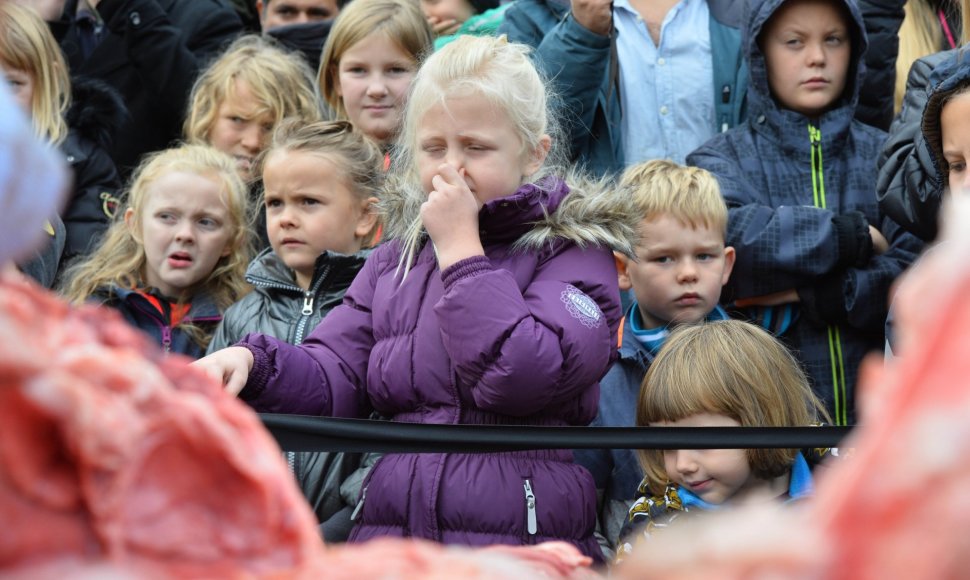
{"x":151,"y":52}
{"x":882,"y":19}
{"x":307,"y":39}
{"x":911,"y":172}
{"x":483,"y":5}
{"x":300,"y":433}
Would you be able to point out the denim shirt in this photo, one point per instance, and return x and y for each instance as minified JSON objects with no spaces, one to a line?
{"x":665,"y":90}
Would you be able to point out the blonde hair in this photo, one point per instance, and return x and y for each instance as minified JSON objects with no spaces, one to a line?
{"x":400,"y":20}
{"x":729,"y":368}
{"x":493,"y":68}
{"x":690,"y":195}
{"x":26,"y":44}
{"x":281,"y":81}
{"x":359,"y":158}
{"x":120,"y":259}
{"x":920,"y":35}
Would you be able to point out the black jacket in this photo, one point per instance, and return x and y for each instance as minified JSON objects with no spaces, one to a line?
{"x":95,"y":115}
{"x":152,"y":52}
{"x":910,"y":183}
{"x":882,"y":20}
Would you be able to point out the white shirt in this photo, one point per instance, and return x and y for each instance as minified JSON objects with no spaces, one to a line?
{"x":667,"y":92}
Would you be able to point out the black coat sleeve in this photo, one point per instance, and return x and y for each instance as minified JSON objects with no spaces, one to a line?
{"x":882,"y":19}
{"x":909,"y":186}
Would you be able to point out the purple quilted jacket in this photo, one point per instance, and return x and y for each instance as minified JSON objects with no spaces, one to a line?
{"x":520,"y":336}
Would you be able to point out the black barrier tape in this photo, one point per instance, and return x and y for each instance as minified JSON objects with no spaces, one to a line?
{"x":299,"y":433}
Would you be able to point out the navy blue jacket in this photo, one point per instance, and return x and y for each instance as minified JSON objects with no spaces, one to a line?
{"x":801,"y":197}
{"x":140,"y":313}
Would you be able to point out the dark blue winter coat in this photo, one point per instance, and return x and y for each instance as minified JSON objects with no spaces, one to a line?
{"x":801,"y":197}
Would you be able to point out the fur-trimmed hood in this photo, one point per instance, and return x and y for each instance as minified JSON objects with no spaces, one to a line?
{"x":580,"y":210}
{"x":97,"y":111}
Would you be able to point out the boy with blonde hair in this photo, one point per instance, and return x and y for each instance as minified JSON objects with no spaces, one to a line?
{"x":681,"y":264}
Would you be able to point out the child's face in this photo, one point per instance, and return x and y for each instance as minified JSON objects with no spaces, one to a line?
{"x":241,"y":128}
{"x":679,"y":271}
{"x":955,"y":133}
{"x":21,"y":85}
{"x":714,"y":475}
{"x":185,"y":230}
{"x":807,"y":49}
{"x":444,"y":10}
{"x":310,"y":209}
{"x":373,"y":77}
{"x":478,"y":140}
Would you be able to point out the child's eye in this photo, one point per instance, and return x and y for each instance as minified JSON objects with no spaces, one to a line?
{"x":310,"y":201}
{"x":957,"y":167}
{"x":166,"y":217}
{"x":705,"y":257}
{"x":399,"y":70}
{"x":208,"y":223}
{"x":356,"y":70}
{"x":793,"y":43}
{"x":273,"y":203}
{"x":834,"y":40}
{"x":663,"y":259}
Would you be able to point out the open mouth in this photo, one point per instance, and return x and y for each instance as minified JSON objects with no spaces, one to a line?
{"x":180,"y":260}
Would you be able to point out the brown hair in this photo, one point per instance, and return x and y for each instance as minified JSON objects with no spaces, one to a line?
{"x":729,"y":368}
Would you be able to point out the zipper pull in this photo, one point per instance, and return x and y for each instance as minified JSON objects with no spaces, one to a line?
{"x":307,"y":304}
{"x":167,"y":338}
{"x":530,"y":508}
{"x":360,"y":506}
{"x":814,"y":135}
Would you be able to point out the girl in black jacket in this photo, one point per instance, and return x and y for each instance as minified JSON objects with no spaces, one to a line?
{"x":38,"y":75}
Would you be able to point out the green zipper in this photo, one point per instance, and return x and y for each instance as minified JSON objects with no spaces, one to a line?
{"x":835,"y":341}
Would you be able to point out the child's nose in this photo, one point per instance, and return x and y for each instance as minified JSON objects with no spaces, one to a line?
{"x":688,"y":271}
{"x":685,"y":461}
{"x":816,"y":54}
{"x":185,"y":232}
{"x":252,"y":138}
{"x":377,"y":87}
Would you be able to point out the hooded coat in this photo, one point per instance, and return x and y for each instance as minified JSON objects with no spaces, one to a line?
{"x":912,"y":171}
{"x":519,"y":336}
{"x":801,"y":198}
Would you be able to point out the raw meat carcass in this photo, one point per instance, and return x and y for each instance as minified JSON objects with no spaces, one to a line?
{"x":117,"y":462}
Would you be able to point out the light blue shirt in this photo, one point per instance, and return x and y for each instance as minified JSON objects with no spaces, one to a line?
{"x":667,"y":92}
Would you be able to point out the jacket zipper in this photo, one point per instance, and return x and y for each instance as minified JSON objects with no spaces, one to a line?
{"x":307,"y":312}
{"x":532,"y":526}
{"x":360,"y":505}
{"x":167,"y":338}
{"x":836,"y":359}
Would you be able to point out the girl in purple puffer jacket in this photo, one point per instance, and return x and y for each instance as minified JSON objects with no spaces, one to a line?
{"x":493,"y":302}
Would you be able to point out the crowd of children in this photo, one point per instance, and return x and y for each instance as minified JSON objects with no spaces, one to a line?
{"x":411,"y":232}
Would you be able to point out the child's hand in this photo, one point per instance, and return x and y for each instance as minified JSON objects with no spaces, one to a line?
{"x":443,"y":27}
{"x":594,"y":15}
{"x":451,"y":217}
{"x":230,"y":366}
{"x":879,"y":243}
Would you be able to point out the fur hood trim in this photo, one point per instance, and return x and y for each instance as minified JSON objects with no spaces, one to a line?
{"x":585,"y":211}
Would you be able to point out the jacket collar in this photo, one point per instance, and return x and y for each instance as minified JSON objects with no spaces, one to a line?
{"x":202,"y":305}
{"x":268,"y":268}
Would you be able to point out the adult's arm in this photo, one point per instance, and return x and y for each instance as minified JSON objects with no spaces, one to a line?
{"x":167,"y":54}
{"x":882,"y":19}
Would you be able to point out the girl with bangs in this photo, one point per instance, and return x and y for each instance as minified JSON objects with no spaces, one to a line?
{"x":721,"y":374}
